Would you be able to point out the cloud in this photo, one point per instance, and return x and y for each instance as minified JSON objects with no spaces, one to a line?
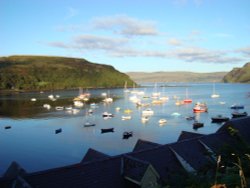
{"x":93,"y":43}
{"x":245,"y":51}
{"x":195,"y":54}
{"x":187,"y":54}
{"x":174,"y":42}
{"x":58,"y":44}
{"x":125,"y":25}
{"x":98,"y":42}
{"x":120,"y":47}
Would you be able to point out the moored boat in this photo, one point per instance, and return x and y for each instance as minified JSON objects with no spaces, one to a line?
{"x":107,"y":130}
{"x":78,"y":103}
{"x":126,"y":135}
{"x":88,"y":124}
{"x":59,"y":107}
{"x":144,"y":119}
{"x":127,"y":111}
{"x":126,"y":117}
{"x":58,"y":131}
{"x":197,"y":125}
{"x":47,"y":106}
{"x":190,"y":118}
{"x":147,"y":112}
{"x":108,"y":100}
{"x":125,"y":87}
{"x":219,"y":119}
{"x":107,"y":115}
{"x":162,"y":121}
{"x":157,"y":102}
{"x":7,"y":127}
{"x":187,"y":100}
{"x":214,"y":95}
{"x":140,"y":104}
{"x":237,"y":107}
{"x":200,"y":107}
{"x":239,"y":114}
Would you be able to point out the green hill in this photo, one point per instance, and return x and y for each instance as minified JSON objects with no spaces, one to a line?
{"x":176,"y":76}
{"x":46,"y":73}
{"x":241,"y":75}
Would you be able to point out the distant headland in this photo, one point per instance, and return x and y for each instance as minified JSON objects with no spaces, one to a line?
{"x":237,"y":75}
{"x":25,"y":73}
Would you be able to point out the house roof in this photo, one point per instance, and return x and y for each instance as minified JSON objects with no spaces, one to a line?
{"x":103,"y":173}
{"x":162,"y":159}
{"x":241,"y":124}
{"x":92,"y":155}
{"x":188,"y":135}
{"x":14,"y":170}
{"x":193,"y":152}
{"x":134,"y":168}
{"x":144,"y":144}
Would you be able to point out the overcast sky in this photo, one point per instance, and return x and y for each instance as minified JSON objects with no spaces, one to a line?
{"x":131,"y":35}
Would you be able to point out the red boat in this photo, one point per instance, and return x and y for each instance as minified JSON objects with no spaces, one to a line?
{"x":200,"y":107}
{"x":187,"y":101}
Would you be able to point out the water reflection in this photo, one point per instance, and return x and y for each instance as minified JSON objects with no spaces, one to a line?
{"x":23,"y":108}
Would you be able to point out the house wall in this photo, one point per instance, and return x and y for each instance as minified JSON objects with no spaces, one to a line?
{"x":149,"y":179}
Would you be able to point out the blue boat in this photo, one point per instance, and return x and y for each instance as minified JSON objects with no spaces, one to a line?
{"x":237,"y":107}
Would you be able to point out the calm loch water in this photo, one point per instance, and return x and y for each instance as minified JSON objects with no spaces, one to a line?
{"x":32,"y":142}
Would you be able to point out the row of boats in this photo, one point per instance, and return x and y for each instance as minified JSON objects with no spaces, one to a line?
{"x":199,"y":107}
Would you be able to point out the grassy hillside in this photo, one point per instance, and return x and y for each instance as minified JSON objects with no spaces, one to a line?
{"x":43,"y":73}
{"x":176,"y":76}
{"x":241,"y":75}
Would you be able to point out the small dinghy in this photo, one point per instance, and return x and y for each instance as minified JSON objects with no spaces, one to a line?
{"x":190,"y":118}
{"x":107,"y":130}
{"x":58,"y":131}
{"x":126,"y":135}
{"x":197,"y":125}
{"x":107,"y":115}
{"x":219,"y":119}
{"x":88,"y":124}
{"x":239,"y":114}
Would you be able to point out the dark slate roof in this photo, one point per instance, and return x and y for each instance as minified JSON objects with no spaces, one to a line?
{"x":188,"y":135}
{"x":217,"y":140}
{"x":162,"y":159}
{"x":14,"y":170}
{"x":241,"y":124}
{"x":92,"y":155}
{"x":144,"y":144}
{"x":96,"y":174}
{"x":134,"y":168}
{"x":193,"y":152}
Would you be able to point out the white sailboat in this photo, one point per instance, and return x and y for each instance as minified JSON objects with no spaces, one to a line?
{"x":155,"y":94}
{"x":214,"y":95}
{"x":88,"y":123}
{"x":125,"y":88}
